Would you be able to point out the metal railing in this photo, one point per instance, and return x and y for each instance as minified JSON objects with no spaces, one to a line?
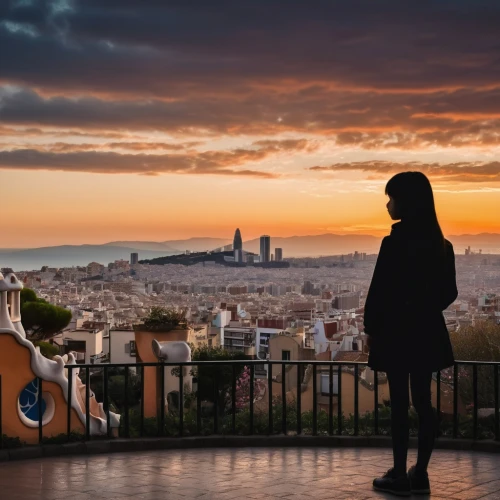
{"x":284,"y":413}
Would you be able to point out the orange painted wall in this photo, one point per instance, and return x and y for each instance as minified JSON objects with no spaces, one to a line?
{"x":143,"y":341}
{"x":15,"y":368}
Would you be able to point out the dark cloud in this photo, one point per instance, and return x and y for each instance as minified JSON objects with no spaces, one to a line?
{"x":287,"y":145}
{"x":369,"y":120}
{"x":174,"y":48}
{"x":62,"y":147}
{"x":39,"y":132}
{"x":459,"y":171}
{"x":260,"y":150}
{"x":372,"y":75}
{"x":88,"y":158}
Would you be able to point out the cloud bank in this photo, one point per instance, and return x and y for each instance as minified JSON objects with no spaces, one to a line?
{"x":363,"y":75}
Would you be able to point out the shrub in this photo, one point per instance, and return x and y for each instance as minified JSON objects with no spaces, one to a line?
{"x":162,"y":319}
{"x":48,"y":350}
{"x":479,"y":342}
{"x":41,"y":320}
{"x":11,"y":442}
{"x":74,"y":437}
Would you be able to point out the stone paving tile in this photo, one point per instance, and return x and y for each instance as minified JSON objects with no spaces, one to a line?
{"x":245,"y":473}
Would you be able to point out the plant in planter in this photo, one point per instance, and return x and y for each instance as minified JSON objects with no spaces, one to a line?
{"x":164,"y":320}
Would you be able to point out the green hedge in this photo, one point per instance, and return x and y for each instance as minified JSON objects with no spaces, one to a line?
{"x":366,"y":425}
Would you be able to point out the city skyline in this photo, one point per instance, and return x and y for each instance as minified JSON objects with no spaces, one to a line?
{"x":209,"y":242}
{"x":282,"y":118}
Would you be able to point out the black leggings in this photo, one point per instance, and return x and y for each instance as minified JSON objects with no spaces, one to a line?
{"x":420,"y":384}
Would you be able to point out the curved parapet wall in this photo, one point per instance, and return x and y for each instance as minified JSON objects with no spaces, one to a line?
{"x":21,"y":364}
{"x":173,"y":352}
{"x":10,"y":303}
{"x":170,"y":347}
{"x":5,"y":319}
{"x":19,"y":379}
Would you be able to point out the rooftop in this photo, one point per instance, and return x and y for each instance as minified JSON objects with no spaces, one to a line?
{"x":241,"y":473}
{"x":351,"y":356}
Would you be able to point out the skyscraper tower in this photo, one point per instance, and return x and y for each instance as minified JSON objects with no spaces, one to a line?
{"x":278,"y":254}
{"x":134,"y":259}
{"x":265,"y":248}
{"x":237,"y":242}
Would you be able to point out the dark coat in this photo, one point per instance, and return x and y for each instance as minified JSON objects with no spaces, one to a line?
{"x":410,"y":289}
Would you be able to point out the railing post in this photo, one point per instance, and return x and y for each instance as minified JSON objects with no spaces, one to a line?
{"x":339,"y":398}
{"x":330,"y":400}
{"x":198,"y":401}
{"x":106,"y":401}
{"x":455,"y":400}
{"x":474,"y":392}
{"x":216,"y":400}
{"x":233,"y":400}
{"x":497,"y":416}
{"x":270,"y":397}
{"x":356,"y":399}
{"x":283,"y":399}
{"x":161,"y":367}
{"x":125,"y":403}
{"x":299,"y":400}
{"x":181,"y":400}
{"x":438,"y":403}
{"x":142,"y":402}
{"x":70,"y":394}
{"x":40,"y":412}
{"x":252,"y":374}
{"x":375,"y":393}
{"x":315,"y":401}
{"x":87,"y":403}
{"x":1,"y":427}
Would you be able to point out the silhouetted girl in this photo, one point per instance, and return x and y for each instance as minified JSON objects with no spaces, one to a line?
{"x":413,"y":282}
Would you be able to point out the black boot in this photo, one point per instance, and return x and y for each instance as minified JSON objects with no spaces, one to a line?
{"x":390,"y":482}
{"x":419,"y":481}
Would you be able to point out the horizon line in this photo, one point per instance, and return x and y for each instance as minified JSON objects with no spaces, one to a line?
{"x":14,"y":248}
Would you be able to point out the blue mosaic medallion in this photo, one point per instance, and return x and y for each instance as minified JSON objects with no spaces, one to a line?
{"x":29,"y":400}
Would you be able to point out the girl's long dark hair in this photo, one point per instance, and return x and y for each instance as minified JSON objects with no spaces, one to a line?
{"x":414,"y":199}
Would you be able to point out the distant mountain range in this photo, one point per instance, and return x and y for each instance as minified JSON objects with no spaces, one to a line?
{"x":71,"y":255}
{"x":487,"y":242}
{"x":321,"y":244}
{"x":294,"y":246}
{"x":198,"y":244}
{"x":149,"y":246}
{"x":174,"y":246}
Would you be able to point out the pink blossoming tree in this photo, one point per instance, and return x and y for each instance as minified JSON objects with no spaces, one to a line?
{"x":243,"y":389}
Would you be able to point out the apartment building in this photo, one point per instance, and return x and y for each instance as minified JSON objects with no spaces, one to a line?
{"x":85,"y":341}
{"x":119,"y":346}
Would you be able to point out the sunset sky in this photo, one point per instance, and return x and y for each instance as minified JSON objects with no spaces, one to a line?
{"x":166,"y":119}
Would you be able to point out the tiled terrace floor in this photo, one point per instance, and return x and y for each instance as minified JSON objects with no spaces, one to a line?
{"x":250,"y":473}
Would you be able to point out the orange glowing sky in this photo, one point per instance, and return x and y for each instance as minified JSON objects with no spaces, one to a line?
{"x":189,"y":119}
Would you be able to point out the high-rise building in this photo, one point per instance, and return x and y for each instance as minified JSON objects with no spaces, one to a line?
{"x":134,"y":259}
{"x":238,"y":255}
{"x":278,"y":254}
{"x":237,"y":242}
{"x":308,"y":288}
{"x":347,"y":301}
{"x":265,"y":248}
